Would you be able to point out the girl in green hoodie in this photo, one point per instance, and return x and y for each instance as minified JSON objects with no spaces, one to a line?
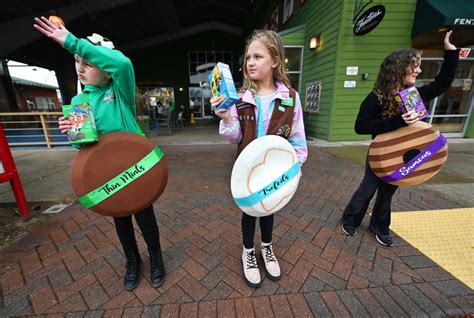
{"x":109,"y":81}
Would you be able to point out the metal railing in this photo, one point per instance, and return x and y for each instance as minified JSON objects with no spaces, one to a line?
{"x":33,"y":129}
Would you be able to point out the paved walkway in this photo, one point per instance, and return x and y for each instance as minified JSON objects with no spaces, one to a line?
{"x":73,"y":264}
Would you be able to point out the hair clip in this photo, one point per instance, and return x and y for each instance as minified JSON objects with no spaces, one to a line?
{"x":99,"y":39}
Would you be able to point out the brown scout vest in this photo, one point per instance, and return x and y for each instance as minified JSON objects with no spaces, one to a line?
{"x":280,"y":122}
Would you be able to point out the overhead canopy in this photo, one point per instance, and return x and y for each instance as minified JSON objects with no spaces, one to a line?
{"x":434,"y":14}
{"x":434,"y":17}
{"x":132,"y":24}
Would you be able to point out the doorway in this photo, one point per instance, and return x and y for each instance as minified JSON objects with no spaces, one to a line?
{"x":199,"y":102}
{"x":450,"y":111}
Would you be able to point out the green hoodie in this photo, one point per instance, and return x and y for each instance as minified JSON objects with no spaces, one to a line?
{"x":114,"y":104}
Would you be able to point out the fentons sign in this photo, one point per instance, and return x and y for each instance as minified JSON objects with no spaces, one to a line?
{"x":369,"y":20}
{"x":463,"y":21}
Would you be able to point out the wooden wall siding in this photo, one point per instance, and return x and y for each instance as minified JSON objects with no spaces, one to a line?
{"x":367,"y":52}
{"x":470,"y":127}
{"x":319,"y":16}
{"x":294,"y":38}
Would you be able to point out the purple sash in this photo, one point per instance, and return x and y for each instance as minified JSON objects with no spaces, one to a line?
{"x":416,"y":162}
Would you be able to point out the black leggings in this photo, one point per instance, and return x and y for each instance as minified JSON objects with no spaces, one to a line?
{"x":146,"y":222}
{"x":248,"y":229}
{"x":357,"y":208}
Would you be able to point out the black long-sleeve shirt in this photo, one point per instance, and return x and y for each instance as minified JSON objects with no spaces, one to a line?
{"x":370,"y":121}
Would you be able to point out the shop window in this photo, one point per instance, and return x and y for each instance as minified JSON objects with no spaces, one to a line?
{"x":462,"y":71}
{"x":202,"y":62}
{"x":293,"y":64}
{"x":429,"y":69}
{"x":158,"y":100}
{"x":31,"y":104}
{"x":44,"y":104}
{"x":449,"y":112}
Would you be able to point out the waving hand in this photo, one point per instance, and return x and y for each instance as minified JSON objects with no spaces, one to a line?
{"x":51,"y":30}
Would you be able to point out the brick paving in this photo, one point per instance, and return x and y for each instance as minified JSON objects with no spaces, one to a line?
{"x":73,"y":264}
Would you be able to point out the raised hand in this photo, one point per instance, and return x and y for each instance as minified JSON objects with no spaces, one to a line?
{"x":51,"y":30}
{"x":447,"y":43}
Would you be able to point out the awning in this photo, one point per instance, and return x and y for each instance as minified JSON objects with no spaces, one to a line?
{"x":432,"y":15}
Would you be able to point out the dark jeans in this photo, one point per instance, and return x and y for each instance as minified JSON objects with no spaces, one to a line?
{"x":248,"y":229}
{"x":357,"y":207}
{"x":146,"y":222}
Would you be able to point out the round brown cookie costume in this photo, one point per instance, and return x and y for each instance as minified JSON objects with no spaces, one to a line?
{"x":109,"y":93}
{"x":120,"y":175}
{"x":408,"y":155}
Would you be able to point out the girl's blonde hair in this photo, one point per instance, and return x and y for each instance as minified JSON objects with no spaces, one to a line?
{"x":272,"y":41}
{"x":391,"y":78}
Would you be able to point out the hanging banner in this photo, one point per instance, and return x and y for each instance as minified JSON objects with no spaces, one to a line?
{"x":369,"y":20}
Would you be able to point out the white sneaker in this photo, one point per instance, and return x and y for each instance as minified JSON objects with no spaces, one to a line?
{"x":271,"y":264}
{"x":250,"y":268}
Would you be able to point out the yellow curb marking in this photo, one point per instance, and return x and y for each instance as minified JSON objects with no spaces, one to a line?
{"x":445,"y":236}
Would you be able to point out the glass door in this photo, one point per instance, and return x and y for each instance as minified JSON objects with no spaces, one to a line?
{"x":199,"y":102}
{"x":450,"y":111}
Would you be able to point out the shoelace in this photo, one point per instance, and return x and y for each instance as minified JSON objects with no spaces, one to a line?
{"x":251,"y":260}
{"x":269,"y":256}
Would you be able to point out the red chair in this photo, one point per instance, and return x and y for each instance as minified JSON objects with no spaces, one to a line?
{"x":11,"y":174}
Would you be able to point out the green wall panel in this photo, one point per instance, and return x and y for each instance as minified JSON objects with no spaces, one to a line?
{"x":294,"y":38}
{"x":366,"y":52}
{"x":318,"y":17}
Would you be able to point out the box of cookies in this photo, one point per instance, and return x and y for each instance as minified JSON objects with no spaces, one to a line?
{"x":83,"y":124}
{"x":222,"y":85}
{"x":409,"y":99}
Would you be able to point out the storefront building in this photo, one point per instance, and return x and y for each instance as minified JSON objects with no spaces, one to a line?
{"x":334,"y":50}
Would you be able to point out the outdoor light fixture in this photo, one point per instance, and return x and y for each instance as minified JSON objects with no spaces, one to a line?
{"x":315,"y":42}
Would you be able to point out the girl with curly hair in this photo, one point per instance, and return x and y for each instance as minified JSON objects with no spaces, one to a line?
{"x":378,"y":114}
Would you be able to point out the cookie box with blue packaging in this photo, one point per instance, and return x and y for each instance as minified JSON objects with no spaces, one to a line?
{"x":222,"y":85}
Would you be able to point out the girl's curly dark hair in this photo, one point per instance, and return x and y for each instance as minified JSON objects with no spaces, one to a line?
{"x":391,"y":78}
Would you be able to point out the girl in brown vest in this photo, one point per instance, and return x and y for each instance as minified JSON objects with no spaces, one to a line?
{"x":268,"y":106}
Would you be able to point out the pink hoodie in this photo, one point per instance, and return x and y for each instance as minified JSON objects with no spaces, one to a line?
{"x":233,"y":134}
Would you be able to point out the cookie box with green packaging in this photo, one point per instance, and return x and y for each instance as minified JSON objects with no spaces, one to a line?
{"x":82,"y":121}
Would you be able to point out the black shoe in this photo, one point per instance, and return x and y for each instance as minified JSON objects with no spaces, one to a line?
{"x":385,"y":240}
{"x":157,"y":270}
{"x":133,"y":270}
{"x":348,"y":229}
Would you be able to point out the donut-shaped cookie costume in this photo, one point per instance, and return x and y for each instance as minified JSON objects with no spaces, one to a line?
{"x":265,"y":176}
{"x":120,"y":175}
{"x":409,"y":155}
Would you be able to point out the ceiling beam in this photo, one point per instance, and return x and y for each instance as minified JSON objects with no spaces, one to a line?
{"x":19,"y":32}
{"x":171,"y":36}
